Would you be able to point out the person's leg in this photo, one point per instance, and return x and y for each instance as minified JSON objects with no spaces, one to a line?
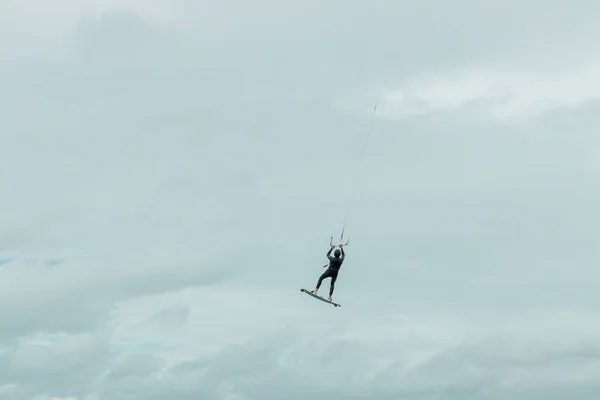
{"x":325,"y":274}
{"x":332,"y":285}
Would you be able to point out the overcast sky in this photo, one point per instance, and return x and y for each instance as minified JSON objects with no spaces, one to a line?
{"x":172,"y":171}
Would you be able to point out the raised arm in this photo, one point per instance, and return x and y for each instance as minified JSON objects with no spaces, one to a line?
{"x":343,"y":254}
{"x":329,"y":253}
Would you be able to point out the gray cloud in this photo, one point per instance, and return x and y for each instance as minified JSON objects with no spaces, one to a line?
{"x":303,"y":363}
{"x":187,"y":167}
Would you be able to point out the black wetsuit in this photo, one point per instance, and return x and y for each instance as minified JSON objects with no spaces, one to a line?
{"x":335,"y":264}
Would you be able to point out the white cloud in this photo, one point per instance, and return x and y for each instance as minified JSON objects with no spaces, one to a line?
{"x":361,"y":355}
{"x":34,"y":28}
{"x":493,"y":92}
{"x":172,"y":182}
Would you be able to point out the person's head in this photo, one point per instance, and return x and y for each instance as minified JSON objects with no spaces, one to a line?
{"x":337,"y":253}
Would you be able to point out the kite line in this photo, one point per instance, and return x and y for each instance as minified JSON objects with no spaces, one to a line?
{"x":364,"y":152}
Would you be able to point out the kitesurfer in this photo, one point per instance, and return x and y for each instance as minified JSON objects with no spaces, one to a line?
{"x":334,"y":266}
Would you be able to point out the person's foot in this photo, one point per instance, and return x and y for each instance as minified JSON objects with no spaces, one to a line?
{"x":329,"y":298}
{"x":315,"y":291}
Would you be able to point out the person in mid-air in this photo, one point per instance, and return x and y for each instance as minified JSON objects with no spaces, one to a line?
{"x":334,"y":266}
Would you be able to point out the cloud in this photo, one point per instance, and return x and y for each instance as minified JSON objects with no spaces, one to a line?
{"x":172,"y":174}
{"x":493,"y":92}
{"x":25,"y":301}
{"x":361,"y":367}
{"x":416,"y":357}
{"x":67,"y":363}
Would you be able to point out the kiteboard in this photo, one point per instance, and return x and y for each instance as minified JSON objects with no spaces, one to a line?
{"x":319,"y":297}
